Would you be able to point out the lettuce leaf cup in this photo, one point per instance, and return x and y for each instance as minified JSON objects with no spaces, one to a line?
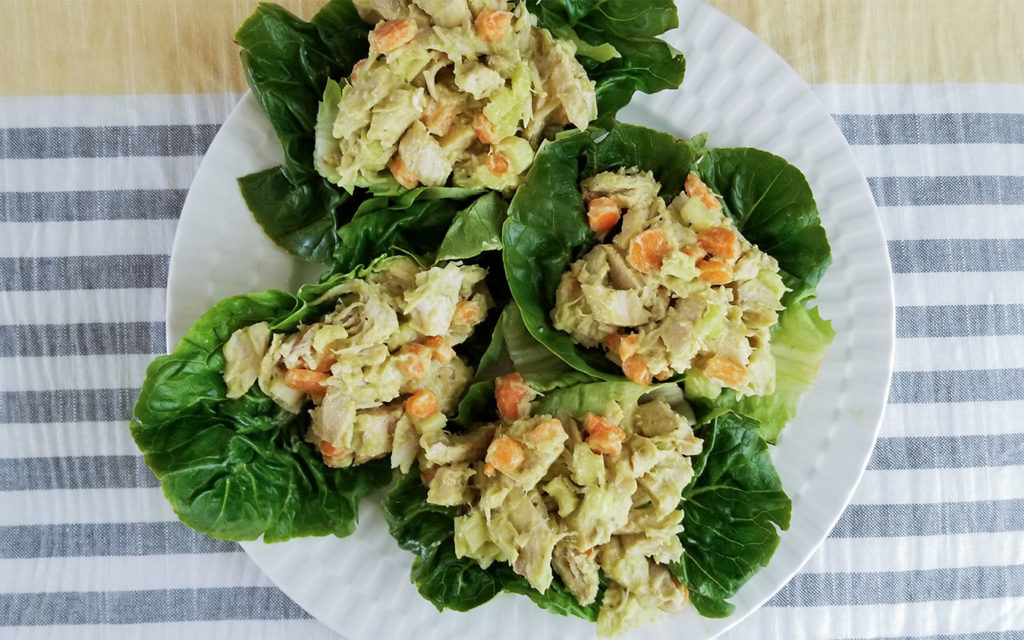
{"x":633,"y":254}
{"x":600,"y":500}
{"x":277,"y":413}
{"x":453,"y":93}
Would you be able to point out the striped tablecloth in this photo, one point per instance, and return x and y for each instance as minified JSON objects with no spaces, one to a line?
{"x":106,"y":107}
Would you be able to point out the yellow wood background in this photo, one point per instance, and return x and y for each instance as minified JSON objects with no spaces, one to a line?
{"x":50,"y":47}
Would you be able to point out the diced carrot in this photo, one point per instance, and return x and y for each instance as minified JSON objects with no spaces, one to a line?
{"x":439,"y":119}
{"x":422,"y":404}
{"x":546,"y":430}
{"x":394,"y":34}
{"x":305,"y":380}
{"x":636,"y":370}
{"x":725,"y":370}
{"x":612,"y":341}
{"x":410,"y":361}
{"x":589,"y":552}
{"x":467,"y":314}
{"x":695,"y":188}
{"x":510,"y":391}
{"x":506,"y":454}
{"x":603,"y":214}
{"x":355,"y":68}
{"x":714,"y":271}
{"x":492,"y":25}
{"x":602,"y":435}
{"x":627,"y":346}
{"x":648,"y":249}
{"x":489,"y":470}
{"x":330,"y":450}
{"x":484,"y":129}
{"x":442,"y":350}
{"x":718,"y":241}
{"x":403,"y":173}
{"x":496,"y":163}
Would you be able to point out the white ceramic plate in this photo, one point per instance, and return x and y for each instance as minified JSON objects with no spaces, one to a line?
{"x":743,"y":94}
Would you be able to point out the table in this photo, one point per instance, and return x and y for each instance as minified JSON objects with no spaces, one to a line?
{"x":106,"y":107}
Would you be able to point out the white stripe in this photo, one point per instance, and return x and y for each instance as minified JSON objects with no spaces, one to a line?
{"x":84,"y":506}
{"x":959,"y":419}
{"x":112,"y":371}
{"x":66,"y":439}
{"x":940,"y":222}
{"x":921,"y":98}
{"x":849,"y":555}
{"x":93,"y":111}
{"x":933,"y":486}
{"x":177,"y":571}
{"x":92,"y":238}
{"x":920,"y":289}
{"x":212,"y":630}
{"x":91,"y":174}
{"x":959,"y":354}
{"x":922,"y":619}
{"x":940,"y":160}
{"x":98,"y":305}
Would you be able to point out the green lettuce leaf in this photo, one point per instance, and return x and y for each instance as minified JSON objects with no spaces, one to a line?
{"x":288,"y":63}
{"x":617,"y":45}
{"x":450,"y":582}
{"x":238,"y":469}
{"x":417,"y":222}
{"x":773,"y":206}
{"x":475,"y":229}
{"x":581,"y":399}
{"x":768,"y":198}
{"x":732,"y":509}
{"x":299,"y":218}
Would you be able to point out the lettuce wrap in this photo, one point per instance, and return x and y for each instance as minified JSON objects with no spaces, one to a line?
{"x":288,"y":63}
{"x":768,"y":200}
{"x":734,"y":488}
{"x":240,"y":468}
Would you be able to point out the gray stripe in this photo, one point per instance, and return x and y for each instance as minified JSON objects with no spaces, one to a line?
{"x":67,"y":405}
{"x":156,"y":605}
{"x":107,"y":539}
{"x":987,"y":385}
{"x":920,"y":191}
{"x":65,"y":206}
{"x":932,"y":128}
{"x":83,"y":272}
{"x":955,"y":255}
{"x":948,"y":452}
{"x":83,"y":339}
{"x":84,"y":472}
{"x":949,"y":321}
{"x":930,"y":585}
{"x":1017,"y":634}
{"x":106,"y":142}
{"x":949,"y":518}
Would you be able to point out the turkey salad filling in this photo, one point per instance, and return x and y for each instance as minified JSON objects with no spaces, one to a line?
{"x":677,"y":290}
{"x":465,"y":89}
{"x":380,"y":369}
{"x":578,"y":497}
